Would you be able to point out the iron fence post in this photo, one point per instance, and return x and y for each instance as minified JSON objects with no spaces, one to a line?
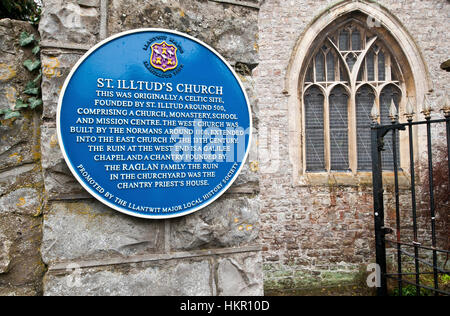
{"x":377,"y":178}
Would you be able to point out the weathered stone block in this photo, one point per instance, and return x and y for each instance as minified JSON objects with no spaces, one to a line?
{"x":18,"y":142}
{"x":252,"y":3}
{"x":51,"y":153}
{"x":56,"y":66}
{"x":23,"y":236}
{"x":248,"y":179}
{"x":24,"y":201}
{"x":231,"y":30}
{"x":89,"y":3}
{"x":5,"y":257}
{"x":58,"y":179}
{"x":230,"y":221}
{"x":240,"y":275}
{"x":69,"y":22}
{"x":25,"y":290}
{"x":174,"y":277}
{"x":27,"y":175}
{"x":219,"y":274}
{"x":249,"y":84}
{"x":90,"y":230}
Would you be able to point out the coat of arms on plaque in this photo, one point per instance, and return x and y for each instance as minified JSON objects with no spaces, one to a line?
{"x":164,"y":56}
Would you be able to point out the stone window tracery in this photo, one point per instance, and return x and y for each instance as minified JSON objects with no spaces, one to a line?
{"x":348,"y":71}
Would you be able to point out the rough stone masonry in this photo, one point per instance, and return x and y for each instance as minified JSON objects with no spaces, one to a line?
{"x":56,"y":240}
{"x":320,"y":234}
{"x":21,"y":180}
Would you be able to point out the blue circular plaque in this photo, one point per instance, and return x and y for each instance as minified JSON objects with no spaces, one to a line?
{"x":154,"y":123}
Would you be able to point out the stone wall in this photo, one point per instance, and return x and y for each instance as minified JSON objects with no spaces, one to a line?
{"x":321,"y":235}
{"x":100,"y":251}
{"x":21,"y":182}
{"x":56,"y":240}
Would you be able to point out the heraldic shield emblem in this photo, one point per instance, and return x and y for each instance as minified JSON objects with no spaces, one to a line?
{"x":164,"y":56}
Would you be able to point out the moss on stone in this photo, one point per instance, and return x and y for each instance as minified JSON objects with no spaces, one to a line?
{"x":283,"y":282}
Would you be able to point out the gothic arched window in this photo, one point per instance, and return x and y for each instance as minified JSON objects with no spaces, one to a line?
{"x":350,"y":69}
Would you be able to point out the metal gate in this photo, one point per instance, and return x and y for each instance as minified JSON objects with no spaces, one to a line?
{"x":417,"y":255}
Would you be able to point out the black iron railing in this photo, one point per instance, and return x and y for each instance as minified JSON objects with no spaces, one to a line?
{"x":424,"y":258}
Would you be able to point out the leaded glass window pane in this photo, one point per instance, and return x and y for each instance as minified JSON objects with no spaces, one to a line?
{"x":364,"y":101}
{"x":381,"y":67}
{"x":370,"y":61}
{"x":320,"y":67}
{"x":330,"y":67}
{"x":342,"y":72}
{"x":314,"y":103}
{"x":356,"y":40}
{"x":339,"y":129}
{"x":309,"y":75}
{"x":344,"y":37}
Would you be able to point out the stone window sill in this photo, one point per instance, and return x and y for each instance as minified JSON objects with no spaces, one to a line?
{"x":349,"y":179}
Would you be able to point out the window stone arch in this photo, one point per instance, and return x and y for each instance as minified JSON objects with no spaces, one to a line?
{"x":340,"y":49}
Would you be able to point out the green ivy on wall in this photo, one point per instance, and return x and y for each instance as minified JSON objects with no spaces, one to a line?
{"x":32,"y":88}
